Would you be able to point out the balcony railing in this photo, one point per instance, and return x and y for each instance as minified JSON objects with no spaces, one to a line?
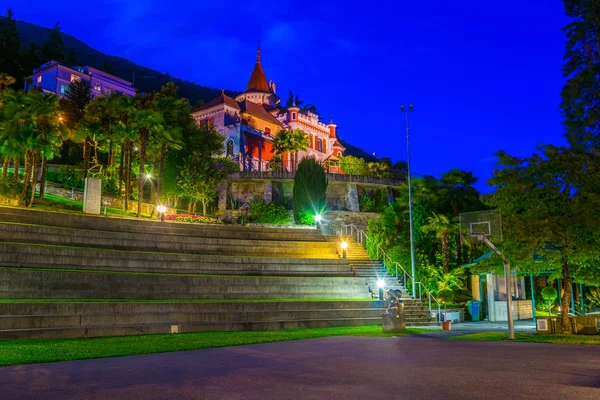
{"x":264,"y":173}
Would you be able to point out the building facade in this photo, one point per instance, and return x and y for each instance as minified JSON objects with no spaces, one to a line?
{"x":54,"y":77}
{"x":251,"y":121}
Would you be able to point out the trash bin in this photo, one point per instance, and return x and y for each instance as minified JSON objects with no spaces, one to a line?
{"x":474,"y":310}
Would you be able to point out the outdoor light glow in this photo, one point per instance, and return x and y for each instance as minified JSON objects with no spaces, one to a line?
{"x":344,"y":245}
{"x":161,"y":209}
{"x":380,"y":283}
{"x":148,"y":176}
{"x":318,"y":217}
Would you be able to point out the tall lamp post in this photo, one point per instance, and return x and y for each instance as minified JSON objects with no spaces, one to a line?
{"x":410,"y":206}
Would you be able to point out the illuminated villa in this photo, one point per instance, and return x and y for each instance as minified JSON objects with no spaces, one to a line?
{"x":251,"y":121}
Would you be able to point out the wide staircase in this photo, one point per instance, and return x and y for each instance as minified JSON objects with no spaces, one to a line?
{"x":417,"y":313}
{"x":72,"y":275}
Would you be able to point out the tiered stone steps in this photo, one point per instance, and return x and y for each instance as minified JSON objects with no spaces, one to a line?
{"x":193,"y":267}
{"x":71,"y":320}
{"x":416,"y":312}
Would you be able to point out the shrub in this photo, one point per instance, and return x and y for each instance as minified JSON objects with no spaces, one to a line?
{"x":192,"y":218}
{"x":310,"y":189}
{"x":306,"y":218}
{"x":66,"y":175}
{"x":376,"y":201}
{"x":446,"y":295}
{"x":268,"y":213}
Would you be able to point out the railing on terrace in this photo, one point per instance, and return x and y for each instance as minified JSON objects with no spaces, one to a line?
{"x":405,"y":278}
{"x":332,"y":177}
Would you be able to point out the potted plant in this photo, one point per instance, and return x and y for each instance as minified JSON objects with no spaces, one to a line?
{"x":446,"y":296}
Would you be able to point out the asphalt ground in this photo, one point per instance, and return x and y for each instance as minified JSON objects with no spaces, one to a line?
{"x":416,"y":367}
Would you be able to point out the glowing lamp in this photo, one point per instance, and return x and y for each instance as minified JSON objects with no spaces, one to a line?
{"x":148,"y":176}
{"x":380,"y":283}
{"x":318,"y":218}
{"x":161,"y":209}
{"x":344,"y":245}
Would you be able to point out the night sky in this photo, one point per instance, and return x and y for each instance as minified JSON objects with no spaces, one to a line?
{"x":483,"y":76}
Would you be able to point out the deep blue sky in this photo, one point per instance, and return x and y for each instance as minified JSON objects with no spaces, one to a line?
{"x":483,"y":76}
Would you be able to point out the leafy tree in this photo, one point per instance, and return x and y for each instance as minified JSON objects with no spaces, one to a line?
{"x":354,"y":166}
{"x":54,"y":46}
{"x":581,"y":93}
{"x":551,"y":209}
{"x":310,"y":189}
{"x":9,"y":47}
{"x":549,"y":294}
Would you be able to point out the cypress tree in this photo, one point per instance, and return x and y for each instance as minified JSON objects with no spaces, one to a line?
{"x":310,"y":191}
{"x":9,"y":46}
{"x":54,"y":46}
{"x":71,"y":57}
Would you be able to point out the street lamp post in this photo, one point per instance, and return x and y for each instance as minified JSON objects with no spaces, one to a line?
{"x":410,"y":206}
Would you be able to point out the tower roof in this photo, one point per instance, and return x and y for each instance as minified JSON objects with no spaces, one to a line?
{"x":258,"y":80}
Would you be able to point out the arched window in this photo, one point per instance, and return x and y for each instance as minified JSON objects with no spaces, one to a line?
{"x":230,"y":148}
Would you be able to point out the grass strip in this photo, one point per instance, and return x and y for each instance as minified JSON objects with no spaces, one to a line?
{"x":274,"y":300}
{"x":38,"y":351}
{"x":531,"y":338}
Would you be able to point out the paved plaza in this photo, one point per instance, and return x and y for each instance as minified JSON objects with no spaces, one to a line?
{"x":328,"y":368}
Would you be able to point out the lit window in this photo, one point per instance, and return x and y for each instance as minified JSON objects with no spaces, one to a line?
{"x":74,"y":78}
{"x":39,"y":79}
{"x":63,"y":89}
{"x":97,"y":87}
{"x":320,"y":144}
{"x":267,"y":129}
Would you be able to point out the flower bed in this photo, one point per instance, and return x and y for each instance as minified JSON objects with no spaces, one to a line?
{"x":193,"y":218}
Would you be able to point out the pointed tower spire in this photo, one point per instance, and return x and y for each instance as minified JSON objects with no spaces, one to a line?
{"x":331,"y":118}
{"x":258,"y":80}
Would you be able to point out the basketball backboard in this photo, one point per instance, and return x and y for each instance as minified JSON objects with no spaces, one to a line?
{"x":480,"y":224}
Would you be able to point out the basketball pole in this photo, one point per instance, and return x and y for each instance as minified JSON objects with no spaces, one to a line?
{"x":508,"y":284}
{"x":410,"y":205}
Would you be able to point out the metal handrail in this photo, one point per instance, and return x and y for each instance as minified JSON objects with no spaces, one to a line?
{"x":361,"y":235}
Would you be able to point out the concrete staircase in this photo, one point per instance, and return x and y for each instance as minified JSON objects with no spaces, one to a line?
{"x":128,"y":276}
{"x":417,"y":313}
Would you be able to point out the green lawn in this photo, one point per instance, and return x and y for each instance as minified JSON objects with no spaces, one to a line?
{"x":280,"y":300}
{"x":532,"y":338}
{"x":55,"y":203}
{"x":37,"y":351}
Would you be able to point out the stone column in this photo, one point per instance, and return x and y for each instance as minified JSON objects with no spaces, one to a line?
{"x":352,"y":198}
{"x":268,"y":191}
{"x":92,"y":196}
{"x":222,"y":190}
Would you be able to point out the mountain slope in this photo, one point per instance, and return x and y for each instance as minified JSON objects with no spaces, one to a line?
{"x":146,"y":79}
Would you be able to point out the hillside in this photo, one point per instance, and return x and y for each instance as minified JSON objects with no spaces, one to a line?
{"x":146,"y":79}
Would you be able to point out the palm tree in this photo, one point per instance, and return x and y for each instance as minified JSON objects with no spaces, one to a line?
{"x":176,"y":116}
{"x":146,"y":121}
{"x":291,"y":142}
{"x":442,"y":228}
{"x":40,"y":136}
